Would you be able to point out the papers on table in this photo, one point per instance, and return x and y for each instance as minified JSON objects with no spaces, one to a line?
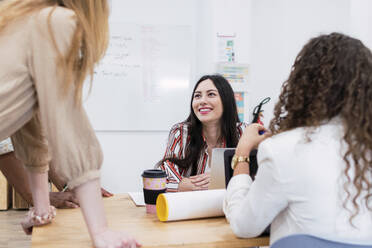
{"x":137,"y":198}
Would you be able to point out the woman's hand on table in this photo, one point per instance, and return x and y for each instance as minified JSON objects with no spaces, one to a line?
{"x":63,"y":199}
{"x":201,"y":180}
{"x":109,"y":238}
{"x":105,"y":193}
{"x":197,"y":182}
{"x":67,"y":199}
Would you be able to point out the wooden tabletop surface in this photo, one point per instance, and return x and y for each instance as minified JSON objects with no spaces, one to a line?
{"x":68,"y":229}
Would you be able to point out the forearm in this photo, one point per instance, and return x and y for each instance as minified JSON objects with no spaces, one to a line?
{"x":40,"y":191}
{"x":89,"y":195}
{"x":238,"y":210}
{"x":241,"y":168}
{"x":15,"y":173}
{"x":173,"y":176}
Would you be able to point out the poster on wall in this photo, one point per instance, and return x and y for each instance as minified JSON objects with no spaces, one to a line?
{"x":239,"y":98}
{"x":225,"y":47}
{"x":233,"y":72}
{"x":237,"y":76}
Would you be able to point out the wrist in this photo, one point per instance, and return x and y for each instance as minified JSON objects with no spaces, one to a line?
{"x":243,"y":151}
{"x":241,"y":168}
{"x":183,"y":185}
{"x":42,"y":217}
{"x":99,"y":230}
{"x":37,"y":219}
{"x":238,"y":159}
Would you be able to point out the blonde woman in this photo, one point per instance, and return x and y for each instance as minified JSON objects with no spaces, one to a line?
{"x":47,"y":48}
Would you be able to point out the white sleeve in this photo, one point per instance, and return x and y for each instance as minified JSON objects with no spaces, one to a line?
{"x":251,"y":206}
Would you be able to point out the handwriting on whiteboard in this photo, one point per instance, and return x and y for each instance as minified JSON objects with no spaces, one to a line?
{"x":122,"y":57}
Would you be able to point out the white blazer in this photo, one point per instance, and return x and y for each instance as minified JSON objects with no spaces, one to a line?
{"x":298,"y":189}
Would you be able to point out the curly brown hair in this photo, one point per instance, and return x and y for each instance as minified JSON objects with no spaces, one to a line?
{"x":332,"y":76}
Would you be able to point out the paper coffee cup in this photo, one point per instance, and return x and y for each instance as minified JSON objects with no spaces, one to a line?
{"x":154,"y":183}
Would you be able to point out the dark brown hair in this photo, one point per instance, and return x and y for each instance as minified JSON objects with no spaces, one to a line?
{"x":228,"y":124}
{"x":332,"y":76}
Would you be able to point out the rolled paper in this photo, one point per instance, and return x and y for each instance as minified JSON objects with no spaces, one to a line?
{"x":190,"y":205}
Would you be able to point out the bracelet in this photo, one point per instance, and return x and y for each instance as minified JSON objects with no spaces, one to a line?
{"x":237,"y":159}
{"x":33,"y":219}
{"x":42,"y":219}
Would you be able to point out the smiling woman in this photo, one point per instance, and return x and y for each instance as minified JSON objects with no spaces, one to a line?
{"x":213,"y":122}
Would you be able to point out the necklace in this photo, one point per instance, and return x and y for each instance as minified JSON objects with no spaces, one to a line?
{"x":218,"y":144}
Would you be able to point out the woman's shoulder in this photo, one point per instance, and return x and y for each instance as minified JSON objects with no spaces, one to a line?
{"x":60,"y":18}
{"x":56,"y":25}
{"x":332,"y":129}
{"x":287,"y":137}
{"x":59,"y":14}
{"x":180,"y":127}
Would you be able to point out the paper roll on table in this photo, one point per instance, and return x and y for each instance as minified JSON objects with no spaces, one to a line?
{"x":190,"y":205}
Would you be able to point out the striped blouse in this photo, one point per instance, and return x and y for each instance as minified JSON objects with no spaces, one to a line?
{"x":176,"y":148}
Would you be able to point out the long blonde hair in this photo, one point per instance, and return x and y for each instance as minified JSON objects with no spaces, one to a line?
{"x":89,"y":42}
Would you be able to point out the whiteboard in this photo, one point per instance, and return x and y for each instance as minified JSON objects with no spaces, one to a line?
{"x":143,"y":82}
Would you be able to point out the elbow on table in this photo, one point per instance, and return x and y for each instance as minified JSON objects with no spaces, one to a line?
{"x":243,"y":228}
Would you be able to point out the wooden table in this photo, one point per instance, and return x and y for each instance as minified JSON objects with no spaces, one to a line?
{"x":69,"y":230}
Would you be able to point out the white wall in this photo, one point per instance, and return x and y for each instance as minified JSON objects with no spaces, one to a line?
{"x":361,"y":21}
{"x":126,"y":155}
{"x":223,"y":17}
{"x":269,"y":35}
{"x":280,"y":29}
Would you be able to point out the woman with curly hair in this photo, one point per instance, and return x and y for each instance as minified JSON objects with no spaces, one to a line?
{"x":315,"y":172}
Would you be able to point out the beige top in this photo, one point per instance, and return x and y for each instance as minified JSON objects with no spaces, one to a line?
{"x":44,"y":127}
